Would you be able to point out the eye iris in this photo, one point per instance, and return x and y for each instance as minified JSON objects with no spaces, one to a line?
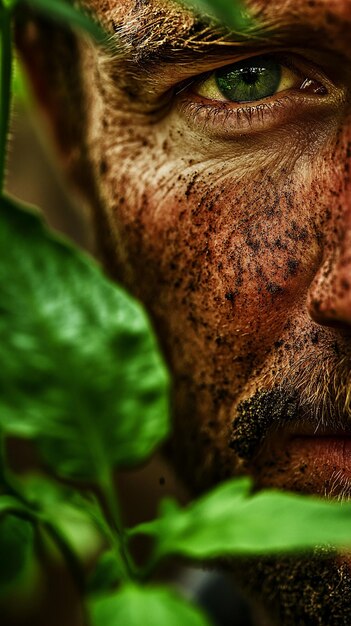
{"x":249,"y":80}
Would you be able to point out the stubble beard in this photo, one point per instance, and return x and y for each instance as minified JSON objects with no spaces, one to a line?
{"x":309,"y":590}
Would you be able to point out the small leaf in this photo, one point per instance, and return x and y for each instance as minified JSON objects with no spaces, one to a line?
{"x":149,"y":606}
{"x":44,"y":494}
{"x":80,"y":369}
{"x":16,"y":542}
{"x":231,"y":13}
{"x":230,"y":521}
{"x":106,"y":573}
{"x":12,"y":504}
{"x":10,"y":4}
{"x":65,"y":510}
{"x":64,"y":11}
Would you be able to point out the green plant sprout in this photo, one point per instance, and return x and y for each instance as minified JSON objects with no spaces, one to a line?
{"x":82,"y":377}
{"x":230,"y":13}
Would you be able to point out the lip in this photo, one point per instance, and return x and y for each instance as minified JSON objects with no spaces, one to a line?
{"x":336,"y":449}
{"x":318,"y":463}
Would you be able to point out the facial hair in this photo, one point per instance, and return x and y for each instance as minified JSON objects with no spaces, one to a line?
{"x":314,"y":390}
{"x":310,"y":590}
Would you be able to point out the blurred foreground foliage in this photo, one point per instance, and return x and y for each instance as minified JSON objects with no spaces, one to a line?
{"x":83,"y":379}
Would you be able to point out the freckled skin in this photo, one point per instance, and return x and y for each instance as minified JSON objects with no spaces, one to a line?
{"x":239,"y":244}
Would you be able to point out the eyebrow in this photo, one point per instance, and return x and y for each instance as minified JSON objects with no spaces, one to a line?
{"x":165,"y":31}
{"x":163,"y":35}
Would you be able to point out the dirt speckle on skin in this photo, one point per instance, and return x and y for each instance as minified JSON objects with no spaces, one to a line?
{"x":293,"y":265}
{"x":315,"y":337}
{"x":274,"y":288}
{"x":297,"y":233}
{"x":230,"y":295}
{"x":103,"y":167}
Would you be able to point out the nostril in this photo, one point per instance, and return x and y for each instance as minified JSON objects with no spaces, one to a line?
{"x":331,"y":305}
{"x":320,"y":313}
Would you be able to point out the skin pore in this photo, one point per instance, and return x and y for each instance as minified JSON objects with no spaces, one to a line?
{"x":232,"y":223}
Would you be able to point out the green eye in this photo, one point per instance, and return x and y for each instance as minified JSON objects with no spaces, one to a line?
{"x":249,"y":80}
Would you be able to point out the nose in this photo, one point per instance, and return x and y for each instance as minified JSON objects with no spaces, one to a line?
{"x":329,"y":297}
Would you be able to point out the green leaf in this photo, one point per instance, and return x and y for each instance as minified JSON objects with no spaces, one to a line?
{"x":6,"y":58}
{"x":63,"y":11}
{"x":9,"y":4}
{"x":80,"y":368}
{"x":149,"y":606}
{"x":20,"y":88}
{"x":12,"y":504}
{"x":67,"y":511}
{"x":106,"y":573}
{"x":230,"y":521}
{"x":231,"y":13}
{"x":16,"y":543}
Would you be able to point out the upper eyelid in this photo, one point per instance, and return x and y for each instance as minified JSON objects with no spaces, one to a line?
{"x":291,"y":59}
{"x":166,"y":81}
{"x":281,"y":57}
{"x":175,"y":77}
{"x":201,"y":78}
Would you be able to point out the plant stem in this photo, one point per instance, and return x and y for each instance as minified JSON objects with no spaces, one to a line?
{"x":5,"y":85}
{"x":126,"y":566}
{"x":2,"y":460}
{"x":72,"y":561}
{"x":8,"y":481}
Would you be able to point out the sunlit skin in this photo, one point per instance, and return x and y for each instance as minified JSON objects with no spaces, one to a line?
{"x":232,"y":223}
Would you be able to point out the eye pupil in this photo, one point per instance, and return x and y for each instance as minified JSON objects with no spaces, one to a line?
{"x":250,"y":76}
{"x":249,"y":80}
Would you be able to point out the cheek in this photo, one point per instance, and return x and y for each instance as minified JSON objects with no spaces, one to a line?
{"x":224,"y":268}
{"x":219,"y":264}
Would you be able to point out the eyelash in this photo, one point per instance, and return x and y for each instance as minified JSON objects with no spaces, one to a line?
{"x":274,"y":110}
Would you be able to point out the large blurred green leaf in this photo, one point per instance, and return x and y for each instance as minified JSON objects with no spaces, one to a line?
{"x":16,"y":542}
{"x":20,"y":88}
{"x":80,"y":368}
{"x":230,"y":521}
{"x":148,"y":606}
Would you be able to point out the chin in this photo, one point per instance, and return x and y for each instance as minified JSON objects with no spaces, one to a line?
{"x":304,"y":590}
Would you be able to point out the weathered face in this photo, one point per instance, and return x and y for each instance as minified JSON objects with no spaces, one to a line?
{"x":225,"y":204}
{"x":225,"y":189}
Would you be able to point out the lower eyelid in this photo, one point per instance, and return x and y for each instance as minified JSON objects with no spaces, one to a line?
{"x":224,"y":120}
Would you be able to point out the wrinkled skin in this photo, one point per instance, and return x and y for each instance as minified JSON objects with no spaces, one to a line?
{"x":235,"y":231}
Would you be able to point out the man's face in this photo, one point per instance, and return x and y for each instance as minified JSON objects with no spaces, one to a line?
{"x":225,"y":204}
{"x":232,"y":222}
